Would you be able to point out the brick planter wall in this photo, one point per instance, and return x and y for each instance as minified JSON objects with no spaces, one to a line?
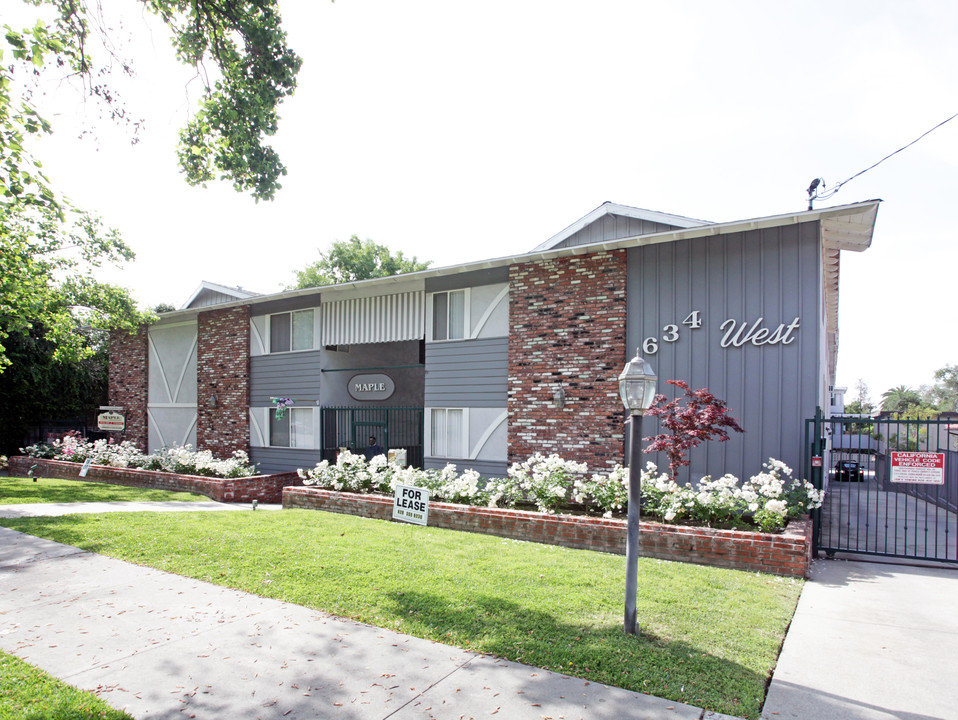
{"x":264,"y":488}
{"x":567,"y":329}
{"x":222,"y":370}
{"x":128,"y":383}
{"x":788,"y":553}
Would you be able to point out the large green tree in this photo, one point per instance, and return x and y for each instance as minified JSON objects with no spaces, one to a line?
{"x":355,"y":259}
{"x":48,"y":250}
{"x":36,"y":387}
{"x":944,"y":393}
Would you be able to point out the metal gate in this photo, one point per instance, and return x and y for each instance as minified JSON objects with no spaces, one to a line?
{"x":394,"y":427}
{"x":891,"y":486}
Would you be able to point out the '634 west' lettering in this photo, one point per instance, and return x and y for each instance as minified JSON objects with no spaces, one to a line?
{"x":734,"y":333}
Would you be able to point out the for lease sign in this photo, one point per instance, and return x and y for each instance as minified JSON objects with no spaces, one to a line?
{"x":923,"y":468}
{"x":411,"y":504}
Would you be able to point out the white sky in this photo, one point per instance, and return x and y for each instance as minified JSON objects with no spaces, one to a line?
{"x":457,"y":132}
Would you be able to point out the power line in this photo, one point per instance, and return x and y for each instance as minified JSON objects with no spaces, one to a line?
{"x":813,"y":189}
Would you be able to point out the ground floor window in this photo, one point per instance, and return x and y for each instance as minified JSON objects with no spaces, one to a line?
{"x":293,"y":428}
{"x":447,"y":432}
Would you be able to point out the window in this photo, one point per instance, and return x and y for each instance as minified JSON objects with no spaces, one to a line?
{"x":449,"y":315}
{"x":291,"y":331}
{"x":447,"y":433}
{"x":294,"y":429}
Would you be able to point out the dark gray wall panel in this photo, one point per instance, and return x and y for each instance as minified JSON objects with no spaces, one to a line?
{"x":295,"y":375}
{"x":274,"y":460}
{"x":471,"y":373}
{"x":473,"y":278}
{"x":486,"y":468}
{"x":613,"y":227}
{"x":773,"y":274}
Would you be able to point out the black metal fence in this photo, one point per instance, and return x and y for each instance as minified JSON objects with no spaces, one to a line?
{"x":891,"y":486}
{"x":395,"y":428}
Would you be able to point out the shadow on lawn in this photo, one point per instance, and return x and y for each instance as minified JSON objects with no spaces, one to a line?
{"x":601,"y":652}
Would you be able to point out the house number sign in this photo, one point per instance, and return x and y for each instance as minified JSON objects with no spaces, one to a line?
{"x":734,"y":333}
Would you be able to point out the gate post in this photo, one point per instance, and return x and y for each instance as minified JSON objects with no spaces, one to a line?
{"x":817,"y":447}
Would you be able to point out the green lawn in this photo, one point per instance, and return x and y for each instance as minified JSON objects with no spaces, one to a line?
{"x":28,"y":693}
{"x":710,"y":637}
{"x":17,"y":490}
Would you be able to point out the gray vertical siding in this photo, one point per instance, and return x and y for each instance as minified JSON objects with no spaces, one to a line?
{"x":612,"y":227}
{"x":295,"y":375}
{"x":470,"y":373}
{"x":773,"y":274}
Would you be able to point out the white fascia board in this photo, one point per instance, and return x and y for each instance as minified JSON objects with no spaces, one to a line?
{"x":865,"y":210}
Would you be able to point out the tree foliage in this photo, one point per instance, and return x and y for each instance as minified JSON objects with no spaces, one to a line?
{"x":702,"y":417}
{"x":36,"y":387}
{"x":900,"y":399}
{"x":944,"y":393}
{"x":355,"y":259}
{"x":48,"y":250}
{"x":238,"y":49}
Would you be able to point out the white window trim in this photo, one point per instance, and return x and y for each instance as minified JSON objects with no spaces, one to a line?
{"x":463,"y":441}
{"x":467,"y":318}
{"x":264,"y":434}
{"x":268,"y":340}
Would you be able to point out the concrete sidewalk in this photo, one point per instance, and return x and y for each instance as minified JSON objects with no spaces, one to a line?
{"x":870,"y":641}
{"x":165,"y":646}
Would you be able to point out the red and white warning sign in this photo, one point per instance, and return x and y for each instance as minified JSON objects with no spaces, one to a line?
{"x":923,"y":468}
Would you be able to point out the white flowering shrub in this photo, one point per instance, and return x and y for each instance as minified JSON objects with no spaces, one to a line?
{"x":767,"y":500}
{"x":546,"y":481}
{"x":177,"y":459}
{"x":350,"y":473}
{"x":609,"y":492}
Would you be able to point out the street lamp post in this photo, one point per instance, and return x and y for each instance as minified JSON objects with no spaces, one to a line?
{"x":636,"y":388}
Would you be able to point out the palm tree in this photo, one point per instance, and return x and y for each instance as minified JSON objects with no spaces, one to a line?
{"x":899,"y":399}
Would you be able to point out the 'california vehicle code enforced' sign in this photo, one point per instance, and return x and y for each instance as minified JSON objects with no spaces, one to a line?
{"x":411,"y":504}
{"x":922,"y":468}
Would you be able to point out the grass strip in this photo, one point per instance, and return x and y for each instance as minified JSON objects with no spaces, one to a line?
{"x":18,"y":490}
{"x":28,"y":693}
{"x":710,"y":637}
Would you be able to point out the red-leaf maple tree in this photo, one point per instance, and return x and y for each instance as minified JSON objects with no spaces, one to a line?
{"x":702,"y":417}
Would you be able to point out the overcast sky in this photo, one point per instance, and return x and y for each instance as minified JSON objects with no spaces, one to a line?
{"x":460,"y":131}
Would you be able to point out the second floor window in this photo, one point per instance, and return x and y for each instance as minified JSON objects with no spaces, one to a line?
{"x":449,"y":315}
{"x":291,"y":331}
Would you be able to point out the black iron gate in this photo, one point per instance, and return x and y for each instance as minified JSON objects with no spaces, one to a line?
{"x":395,"y":428}
{"x":891,"y":486}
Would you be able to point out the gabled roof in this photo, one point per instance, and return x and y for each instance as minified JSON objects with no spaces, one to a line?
{"x":212,"y":294}
{"x":844,"y":227}
{"x":606,"y":209}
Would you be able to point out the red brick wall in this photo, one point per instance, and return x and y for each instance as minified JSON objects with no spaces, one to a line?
{"x":264,"y":488}
{"x":129,"y":383}
{"x":222,"y":370}
{"x":788,"y":553}
{"x":567,"y":319}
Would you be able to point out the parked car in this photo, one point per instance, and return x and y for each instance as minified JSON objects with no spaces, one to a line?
{"x":848,"y":470}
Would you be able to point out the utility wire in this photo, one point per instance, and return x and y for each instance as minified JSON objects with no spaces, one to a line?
{"x":814,"y":194}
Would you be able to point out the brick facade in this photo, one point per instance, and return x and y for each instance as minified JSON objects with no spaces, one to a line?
{"x":567,"y":329}
{"x":129,"y":382}
{"x":788,"y":553}
{"x":222,"y":380}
